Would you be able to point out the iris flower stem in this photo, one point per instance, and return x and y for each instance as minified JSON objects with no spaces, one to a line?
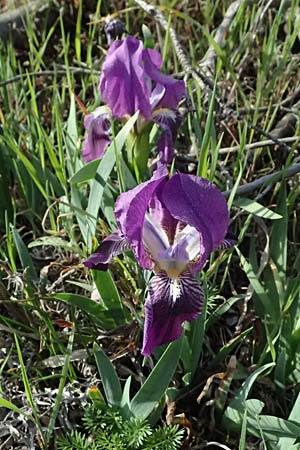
{"x":137,"y":145}
{"x":118,"y":164}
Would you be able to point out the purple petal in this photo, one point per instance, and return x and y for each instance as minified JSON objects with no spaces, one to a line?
{"x":155,"y":239}
{"x":174,"y":89}
{"x":199,"y":203}
{"x":130,"y":210}
{"x":111,"y":246}
{"x":158,"y":210}
{"x":97,"y":125}
{"x":169,"y":303}
{"x":169,"y":122}
{"x":156,"y":95}
{"x":229,"y":241}
{"x":123,"y":83}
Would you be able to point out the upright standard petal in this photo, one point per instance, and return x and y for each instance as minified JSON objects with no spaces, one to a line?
{"x":174,"y":89}
{"x":111,"y":246}
{"x":123,"y":84}
{"x":169,"y":303}
{"x":130,"y":211}
{"x":97,"y":125}
{"x":199,"y":203}
{"x":158,"y":210}
{"x":155,"y":239}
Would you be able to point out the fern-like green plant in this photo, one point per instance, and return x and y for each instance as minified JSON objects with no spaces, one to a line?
{"x":165,"y":438}
{"x":75,"y":440}
{"x":107,"y":430}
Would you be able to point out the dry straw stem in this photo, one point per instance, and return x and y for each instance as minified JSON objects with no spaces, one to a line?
{"x":208,"y":63}
{"x":200,"y":78}
{"x":255,"y":145}
{"x":47,"y":73}
{"x":266,"y":179}
{"x":16,"y":16}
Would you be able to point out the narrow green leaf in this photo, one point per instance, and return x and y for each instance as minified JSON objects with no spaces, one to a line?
{"x":86,"y":173}
{"x":222,"y":309}
{"x":242,"y":443}
{"x":125,"y":402}
{"x":62,"y":382}
{"x":196,"y":340}
{"x":278,"y":244}
{"x":78,"y":33}
{"x":71,"y":139}
{"x":259,"y":289}
{"x":151,"y":392}
{"x":109,"y":294}
{"x":98,"y":312}
{"x":148,"y":38}
{"x":109,"y":377}
{"x":227,"y":348}
{"x":256,"y":208}
{"x":28,"y":390}
{"x":270,"y":427}
{"x":274,"y":427}
{"x":203,"y":154}
{"x":242,"y":394}
{"x":24,"y":255}
{"x":8,"y":405}
{"x":284,"y":443}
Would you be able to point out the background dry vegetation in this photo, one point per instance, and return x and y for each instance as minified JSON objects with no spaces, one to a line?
{"x":240,"y":61}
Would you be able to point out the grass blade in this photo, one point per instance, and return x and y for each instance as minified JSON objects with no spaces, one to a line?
{"x":151,"y":392}
{"x":109,"y":377}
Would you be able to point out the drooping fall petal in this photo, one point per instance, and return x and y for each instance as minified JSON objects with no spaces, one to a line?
{"x":111,"y":246}
{"x":169,"y":303}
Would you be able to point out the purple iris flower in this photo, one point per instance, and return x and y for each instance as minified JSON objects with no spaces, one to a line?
{"x":131,"y":81}
{"x":172,"y":226}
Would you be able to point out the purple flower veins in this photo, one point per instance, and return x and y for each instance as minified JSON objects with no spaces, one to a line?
{"x":131,"y":81}
{"x":172,"y":226}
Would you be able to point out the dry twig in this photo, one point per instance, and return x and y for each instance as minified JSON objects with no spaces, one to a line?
{"x":208,"y":63}
{"x":16,"y":16}
{"x":200,"y":78}
{"x":266,"y":179}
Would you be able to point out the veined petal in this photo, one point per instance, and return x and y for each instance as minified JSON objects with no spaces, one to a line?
{"x":229,"y":241}
{"x":199,"y":203}
{"x":169,"y":121}
{"x":130,"y":211}
{"x":156,"y":95}
{"x":190,"y":239}
{"x":111,"y":246}
{"x":98,"y":126}
{"x":169,"y":303}
{"x":123,"y":83}
{"x":154,"y":237}
{"x":174,"y":89}
{"x":158,"y":210}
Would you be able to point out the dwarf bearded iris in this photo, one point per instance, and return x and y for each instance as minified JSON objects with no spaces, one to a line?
{"x":131,"y":81}
{"x":172,"y":226}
